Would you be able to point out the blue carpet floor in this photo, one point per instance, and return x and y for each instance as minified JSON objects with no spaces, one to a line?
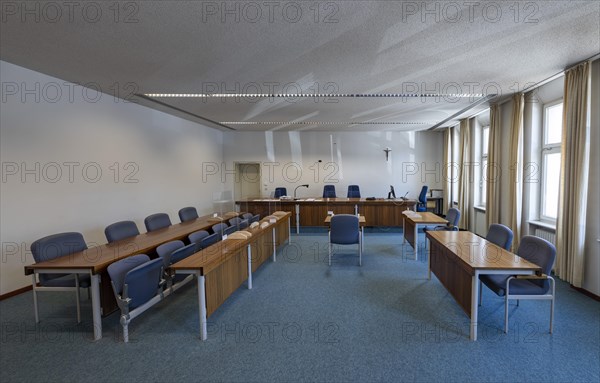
{"x":305,"y":321}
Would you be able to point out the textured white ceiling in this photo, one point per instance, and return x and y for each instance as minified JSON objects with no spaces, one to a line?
{"x":347,"y":47}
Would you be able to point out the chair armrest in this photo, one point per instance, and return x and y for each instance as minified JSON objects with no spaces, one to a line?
{"x":541,"y":276}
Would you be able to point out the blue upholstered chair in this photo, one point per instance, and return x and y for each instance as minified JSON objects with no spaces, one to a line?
{"x":121,"y":230}
{"x":137,"y":285}
{"x":540,"y":252}
{"x":157,"y":221}
{"x":239,"y":223}
{"x":247,"y":216}
{"x":52,"y":247}
{"x":255,"y":218}
{"x":353,"y":191}
{"x":500,"y":235}
{"x":171,"y":253}
{"x":197,"y":236}
{"x":219,"y":228}
{"x":188,"y":214}
{"x":279,"y":192}
{"x":329,"y":191}
{"x":230,"y":229}
{"x":345,"y":230}
{"x":422,"y":202}
{"x":210,"y":240}
{"x":453,"y":216}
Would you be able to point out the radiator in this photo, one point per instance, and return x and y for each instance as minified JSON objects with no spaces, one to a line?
{"x":548,"y":235}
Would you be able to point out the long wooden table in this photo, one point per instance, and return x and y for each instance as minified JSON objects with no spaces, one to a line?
{"x":223,"y":267}
{"x":458,"y":258}
{"x":94,"y":261}
{"x":410,"y":228}
{"x":310,"y":211}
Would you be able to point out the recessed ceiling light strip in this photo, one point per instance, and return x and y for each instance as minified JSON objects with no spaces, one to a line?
{"x":310,"y":95}
{"x":324,"y":123}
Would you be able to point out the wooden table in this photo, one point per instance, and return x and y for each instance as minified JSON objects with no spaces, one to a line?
{"x":411,"y":224}
{"x":223,"y":267}
{"x":95,"y":260}
{"x":458,"y":258}
{"x":310,"y":211}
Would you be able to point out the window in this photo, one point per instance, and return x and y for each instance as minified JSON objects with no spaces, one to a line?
{"x":551,"y":159}
{"x":485,"y":138}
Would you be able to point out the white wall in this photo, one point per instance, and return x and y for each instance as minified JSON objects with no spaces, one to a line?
{"x":592,"y":240}
{"x":168,"y":152}
{"x":347,"y":158}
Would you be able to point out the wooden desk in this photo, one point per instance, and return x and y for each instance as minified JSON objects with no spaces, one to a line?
{"x":410,"y":228}
{"x":310,"y":212}
{"x":223,"y":267}
{"x":458,"y":258}
{"x":95,"y":260}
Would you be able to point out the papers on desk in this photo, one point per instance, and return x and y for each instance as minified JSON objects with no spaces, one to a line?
{"x":411,"y":214}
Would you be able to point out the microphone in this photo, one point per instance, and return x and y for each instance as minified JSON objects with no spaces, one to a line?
{"x":404,"y":196}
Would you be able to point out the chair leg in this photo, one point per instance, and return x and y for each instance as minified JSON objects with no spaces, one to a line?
{"x":330,"y":245}
{"x":35,"y":302}
{"x":359,"y":252}
{"x":552,"y":306}
{"x":480,"y":292}
{"x":506,"y":314}
{"x":89,"y":293}
{"x":125,"y":324}
{"x":77,"y":297}
{"x":518,"y":302}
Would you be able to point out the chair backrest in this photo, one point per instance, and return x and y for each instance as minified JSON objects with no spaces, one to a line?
{"x":188,"y":214}
{"x":229,"y":230}
{"x":143,"y":282}
{"x":165,"y":250}
{"x":219,"y":228}
{"x":500,"y":235}
{"x":453,"y":216}
{"x":329,"y":191}
{"x":210,"y":240}
{"x":353,"y":191}
{"x":423,"y":194}
{"x":197,"y":236}
{"x":119,"y":269}
{"x":344,"y":229}
{"x":247,"y":216}
{"x":539,"y":251}
{"x":279,"y":192}
{"x":255,"y":218}
{"x":121,"y":230}
{"x":157,"y":221}
{"x":54,"y":246}
{"x":184,"y":252}
{"x":239,"y":223}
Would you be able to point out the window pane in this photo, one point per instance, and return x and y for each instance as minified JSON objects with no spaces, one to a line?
{"x":551,"y":185}
{"x":553,"y":124}
{"x":485,"y":140}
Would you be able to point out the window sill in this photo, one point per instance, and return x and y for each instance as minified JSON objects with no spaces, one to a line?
{"x":479,"y":208}
{"x":545,"y":225}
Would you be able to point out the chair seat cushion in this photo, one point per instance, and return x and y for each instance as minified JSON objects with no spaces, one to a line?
{"x":497,"y":283}
{"x":66,"y":280}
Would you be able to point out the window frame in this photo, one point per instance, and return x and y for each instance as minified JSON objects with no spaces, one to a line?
{"x":483,"y":168}
{"x":546,"y":150}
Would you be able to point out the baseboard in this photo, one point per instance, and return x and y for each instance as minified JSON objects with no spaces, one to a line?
{"x":15,"y":292}
{"x":585,"y":292}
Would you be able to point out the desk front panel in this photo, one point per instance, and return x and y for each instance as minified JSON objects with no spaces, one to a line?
{"x":223,"y":280}
{"x":451,"y":274}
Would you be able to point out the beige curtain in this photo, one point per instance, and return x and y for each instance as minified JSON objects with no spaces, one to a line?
{"x":492,"y":207}
{"x":515,"y":164}
{"x":465,"y":176}
{"x":447,"y":163}
{"x":573,"y":181}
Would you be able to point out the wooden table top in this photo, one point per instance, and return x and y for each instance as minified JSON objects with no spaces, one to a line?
{"x":207,"y":259}
{"x":426,"y":218}
{"x":476,"y":253}
{"x":361,"y":220}
{"x":98,"y":258}
{"x":308,"y":200}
